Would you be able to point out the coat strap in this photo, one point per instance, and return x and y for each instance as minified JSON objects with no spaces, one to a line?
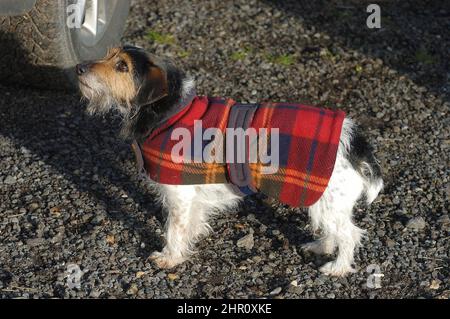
{"x":239,"y":174}
{"x":139,"y":158}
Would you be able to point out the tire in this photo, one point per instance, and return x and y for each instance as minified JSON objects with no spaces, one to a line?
{"x":39,"y":49}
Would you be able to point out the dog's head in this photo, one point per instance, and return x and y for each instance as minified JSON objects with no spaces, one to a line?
{"x":126,"y":77}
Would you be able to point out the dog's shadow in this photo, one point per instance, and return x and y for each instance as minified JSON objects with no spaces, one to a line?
{"x":86,"y":151}
{"x":286,"y":227}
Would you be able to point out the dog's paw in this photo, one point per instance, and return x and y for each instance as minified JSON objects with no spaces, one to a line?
{"x":165,"y":261}
{"x":332,"y":268}
{"x":318,"y":247}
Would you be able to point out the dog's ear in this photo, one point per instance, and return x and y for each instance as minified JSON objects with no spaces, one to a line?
{"x":154,"y":85}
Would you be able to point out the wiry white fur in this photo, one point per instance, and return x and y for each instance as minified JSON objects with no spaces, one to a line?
{"x":95,"y":91}
{"x":372,"y":185}
{"x":190,"y":207}
{"x":188,"y":86}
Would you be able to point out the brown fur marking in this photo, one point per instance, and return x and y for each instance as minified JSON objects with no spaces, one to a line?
{"x":120,"y":84}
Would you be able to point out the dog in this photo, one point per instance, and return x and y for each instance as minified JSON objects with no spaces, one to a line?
{"x":148,"y":91}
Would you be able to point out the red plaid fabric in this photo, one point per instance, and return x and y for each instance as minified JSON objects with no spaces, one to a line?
{"x":308,"y":142}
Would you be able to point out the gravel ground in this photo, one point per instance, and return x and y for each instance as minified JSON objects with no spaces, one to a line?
{"x":69,"y":196}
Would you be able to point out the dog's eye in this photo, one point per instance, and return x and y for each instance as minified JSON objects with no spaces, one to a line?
{"x":122,"y":66}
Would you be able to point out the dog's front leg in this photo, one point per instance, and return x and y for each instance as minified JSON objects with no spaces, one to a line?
{"x":190,"y":207}
{"x":176,"y":238}
{"x":178,"y":201}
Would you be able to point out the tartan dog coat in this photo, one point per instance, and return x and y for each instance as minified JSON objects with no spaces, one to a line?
{"x":308,"y":142}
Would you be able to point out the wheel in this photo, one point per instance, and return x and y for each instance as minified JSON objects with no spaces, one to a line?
{"x":42,"y":47}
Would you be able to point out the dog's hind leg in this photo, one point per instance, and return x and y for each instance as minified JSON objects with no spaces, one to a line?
{"x":356,"y":173}
{"x":332,"y":214}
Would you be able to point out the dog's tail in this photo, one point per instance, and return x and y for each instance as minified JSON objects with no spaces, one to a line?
{"x":373,"y":183}
{"x":360,"y":155}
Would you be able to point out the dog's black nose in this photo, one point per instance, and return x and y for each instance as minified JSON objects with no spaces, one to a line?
{"x":82,"y":68}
